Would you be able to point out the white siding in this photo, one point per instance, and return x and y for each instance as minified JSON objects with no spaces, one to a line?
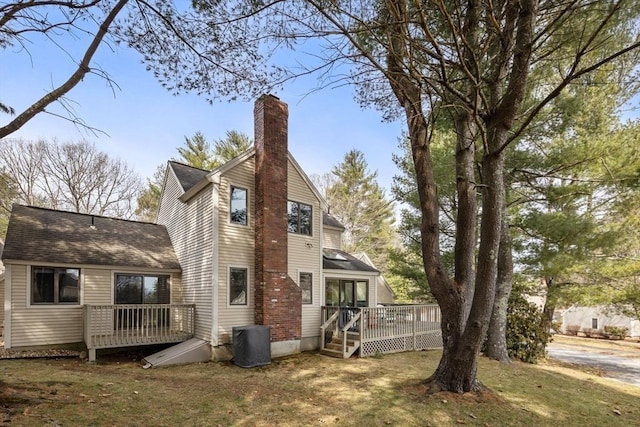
{"x":331,"y":238}
{"x":40,"y":325}
{"x":305,"y":252}
{"x":582,"y":317}
{"x":237,"y":249}
{"x":1,"y":301}
{"x":98,"y":286}
{"x":190,"y":229}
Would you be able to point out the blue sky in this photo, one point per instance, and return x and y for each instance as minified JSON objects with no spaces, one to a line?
{"x":145,"y":123}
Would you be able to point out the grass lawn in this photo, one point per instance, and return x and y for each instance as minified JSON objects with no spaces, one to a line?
{"x":307,"y":389}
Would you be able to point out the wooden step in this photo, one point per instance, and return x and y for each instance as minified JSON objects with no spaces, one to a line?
{"x":332,"y":353}
{"x":337,"y":344}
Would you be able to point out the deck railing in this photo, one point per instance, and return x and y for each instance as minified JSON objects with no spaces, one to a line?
{"x":123,"y":325}
{"x":388,"y":329}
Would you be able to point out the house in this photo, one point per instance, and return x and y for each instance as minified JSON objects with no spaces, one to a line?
{"x":594,"y":320}
{"x":58,"y":263}
{"x":248,"y":243}
{"x":256,"y":244}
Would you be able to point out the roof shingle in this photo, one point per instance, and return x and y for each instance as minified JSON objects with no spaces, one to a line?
{"x":334,"y":259}
{"x":188,"y":176}
{"x":45,"y":235}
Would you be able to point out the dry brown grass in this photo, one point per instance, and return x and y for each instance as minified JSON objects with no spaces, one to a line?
{"x":307,"y":389}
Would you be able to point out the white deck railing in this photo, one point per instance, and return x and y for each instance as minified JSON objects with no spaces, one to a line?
{"x":123,"y":325}
{"x":386,"y":329}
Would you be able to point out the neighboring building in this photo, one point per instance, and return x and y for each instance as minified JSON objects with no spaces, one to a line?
{"x":587,"y":319}
{"x":248,"y":243}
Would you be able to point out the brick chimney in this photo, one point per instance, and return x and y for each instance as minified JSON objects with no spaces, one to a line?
{"x":277,"y":296}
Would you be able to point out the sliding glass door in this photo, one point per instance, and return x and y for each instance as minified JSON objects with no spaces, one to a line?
{"x":346,"y":293}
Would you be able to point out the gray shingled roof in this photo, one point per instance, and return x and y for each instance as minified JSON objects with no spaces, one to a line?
{"x":188,"y":176}
{"x":333,"y":259}
{"x":331,"y":221}
{"x":45,"y":235}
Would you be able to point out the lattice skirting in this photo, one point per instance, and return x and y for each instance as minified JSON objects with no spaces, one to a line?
{"x":424,"y":341}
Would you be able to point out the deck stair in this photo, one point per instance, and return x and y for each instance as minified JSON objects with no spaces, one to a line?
{"x":367,"y":331}
{"x":340,"y":336}
{"x":337,"y":348}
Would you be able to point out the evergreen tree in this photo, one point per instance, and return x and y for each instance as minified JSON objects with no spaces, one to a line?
{"x":149,"y":197}
{"x":359,"y":203}
{"x":197,"y":152}
{"x":230,"y":147}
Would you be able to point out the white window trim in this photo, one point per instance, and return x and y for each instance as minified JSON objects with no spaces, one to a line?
{"x":313,"y":288}
{"x":245,"y":188}
{"x":248,"y":284}
{"x":313,"y":220}
{"x":53,"y":306}
{"x":114,"y":273}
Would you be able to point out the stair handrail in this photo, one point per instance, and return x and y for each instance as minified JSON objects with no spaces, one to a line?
{"x":345,"y":330}
{"x":331,"y":320}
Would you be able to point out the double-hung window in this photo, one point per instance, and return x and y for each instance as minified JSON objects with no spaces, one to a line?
{"x":299,"y":218}
{"x":52,"y":285}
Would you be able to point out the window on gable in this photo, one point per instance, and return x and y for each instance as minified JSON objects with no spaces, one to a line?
{"x":306,"y":286}
{"x":51,"y":285}
{"x":238,"y":286}
{"x":299,"y":218}
{"x":238,"y":206}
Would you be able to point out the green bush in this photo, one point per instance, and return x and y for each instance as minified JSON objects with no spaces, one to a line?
{"x":526,"y":338}
{"x":616,"y":331}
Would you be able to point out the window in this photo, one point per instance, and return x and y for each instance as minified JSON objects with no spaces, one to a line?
{"x":142,"y":289}
{"x":306,"y":286}
{"x":238,"y":208}
{"x":299,"y":218}
{"x":238,"y":286}
{"x":346,"y":293}
{"x":51,"y":285}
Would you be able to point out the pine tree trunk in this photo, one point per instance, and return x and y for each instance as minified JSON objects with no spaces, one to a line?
{"x":549,"y":308}
{"x":496,"y":345}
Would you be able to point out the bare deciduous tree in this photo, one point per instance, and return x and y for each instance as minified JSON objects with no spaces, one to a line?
{"x":70,"y":176}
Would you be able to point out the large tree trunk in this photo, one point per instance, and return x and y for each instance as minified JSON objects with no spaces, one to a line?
{"x":466,"y":302}
{"x":496,"y":344}
{"x":467,"y":210}
{"x":457,"y":369}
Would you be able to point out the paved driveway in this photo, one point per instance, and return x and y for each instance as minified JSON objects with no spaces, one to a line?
{"x":619,"y":362}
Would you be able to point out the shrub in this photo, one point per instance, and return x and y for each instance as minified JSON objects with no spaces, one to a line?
{"x":526,"y":338}
{"x":592,"y":333}
{"x":572,"y":329}
{"x":616,"y":331}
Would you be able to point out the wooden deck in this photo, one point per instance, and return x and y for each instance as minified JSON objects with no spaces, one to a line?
{"x":379,"y":330}
{"x":124,"y":325}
